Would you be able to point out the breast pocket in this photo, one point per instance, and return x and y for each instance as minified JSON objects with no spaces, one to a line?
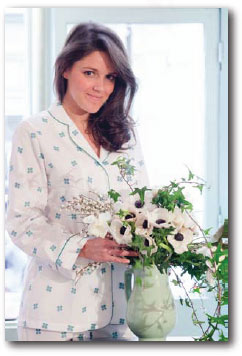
{"x":65,"y":188}
{"x":70,"y":184}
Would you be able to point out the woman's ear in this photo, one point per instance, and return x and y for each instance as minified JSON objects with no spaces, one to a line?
{"x":65,"y":74}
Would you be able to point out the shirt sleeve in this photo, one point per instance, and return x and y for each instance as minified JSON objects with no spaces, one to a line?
{"x":137,"y":159}
{"x":27,"y":223}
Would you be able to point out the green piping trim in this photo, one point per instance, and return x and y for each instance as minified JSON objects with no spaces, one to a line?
{"x":68,"y":128}
{"x":64,"y":248}
{"x":111,"y":291}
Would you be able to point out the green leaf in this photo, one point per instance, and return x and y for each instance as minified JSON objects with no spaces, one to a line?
{"x":200,"y":187}
{"x":207,"y":231}
{"x":222,"y":320}
{"x":187,"y":302}
{"x":196,"y":290}
{"x":138,"y":281}
{"x":124,"y":165}
{"x":114,"y":195}
{"x":174,"y":281}
{"x":161,"y":244}
{"x":197,"y":322}
{"x":191,"y":175}
{"x":226,"y":228}
{"x":222,"y":337}
{"x":140,"y":192}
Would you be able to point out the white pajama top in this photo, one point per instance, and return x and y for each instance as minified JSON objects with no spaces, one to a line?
{"x":51,"y":162}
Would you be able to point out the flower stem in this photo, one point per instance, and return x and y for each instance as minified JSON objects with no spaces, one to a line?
{"x":191,"y":303}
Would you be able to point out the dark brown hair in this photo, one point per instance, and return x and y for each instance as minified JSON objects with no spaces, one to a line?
{"x":111,"y":126}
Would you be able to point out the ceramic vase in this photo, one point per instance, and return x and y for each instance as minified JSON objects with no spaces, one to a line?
{"x":151,"y":311}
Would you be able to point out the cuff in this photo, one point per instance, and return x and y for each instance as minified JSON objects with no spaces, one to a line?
{"x":68,"y":260}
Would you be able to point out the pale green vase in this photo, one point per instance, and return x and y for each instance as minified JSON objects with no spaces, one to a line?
{"x":151,"y":311}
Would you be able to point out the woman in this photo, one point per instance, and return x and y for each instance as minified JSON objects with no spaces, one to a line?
{"x":57,"y":154}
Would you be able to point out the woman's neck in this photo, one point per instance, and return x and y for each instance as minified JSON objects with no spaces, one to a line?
{"x":80,"y":119}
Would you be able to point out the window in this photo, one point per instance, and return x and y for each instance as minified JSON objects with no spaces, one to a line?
{"x":16,"y":108}
{"x":182,"y":44}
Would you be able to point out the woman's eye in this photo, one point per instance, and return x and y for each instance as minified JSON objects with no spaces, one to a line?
{"x":112,"y":77}
{"x":88,"y":73}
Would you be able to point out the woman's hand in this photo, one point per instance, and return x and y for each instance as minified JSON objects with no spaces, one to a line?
{"x":106,"y":250}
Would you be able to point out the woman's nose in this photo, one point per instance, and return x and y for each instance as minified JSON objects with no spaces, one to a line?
{"x":99,"y":84}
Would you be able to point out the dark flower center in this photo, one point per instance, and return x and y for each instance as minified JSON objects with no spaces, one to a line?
{"x":145,"y":224}
{"x":146,"y":243}
{"x":179,"y":237}
{"x":122,"y":230}
{"x":129,"y":216}
{"x":160,"y":221}
{"x":138,"y":204}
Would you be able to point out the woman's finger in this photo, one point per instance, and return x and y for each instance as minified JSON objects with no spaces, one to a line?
{"x":108,"y":236}
{"x":111,"y":243}
{"x":119,"y":260}
{"x":116,"y":252}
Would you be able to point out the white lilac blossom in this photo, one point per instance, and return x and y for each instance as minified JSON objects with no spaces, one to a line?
{"x":121,"y":234}
{"x":180,"y":240}
{"x":160,"y":218}
{"x":94,"y":203}
{"x":98,"y":226}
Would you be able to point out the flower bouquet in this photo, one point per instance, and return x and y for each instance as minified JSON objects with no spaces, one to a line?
{"x":160,"y":226}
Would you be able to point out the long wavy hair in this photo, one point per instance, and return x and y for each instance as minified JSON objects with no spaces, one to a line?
{"x":112,"y":125}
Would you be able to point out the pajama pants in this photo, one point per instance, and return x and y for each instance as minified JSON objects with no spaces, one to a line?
{"x":109,"y":332}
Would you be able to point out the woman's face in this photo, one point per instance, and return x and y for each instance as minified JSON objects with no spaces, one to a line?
{"x":90,"y":80}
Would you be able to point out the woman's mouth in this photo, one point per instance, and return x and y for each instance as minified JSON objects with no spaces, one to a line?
{"x":94,"y":98}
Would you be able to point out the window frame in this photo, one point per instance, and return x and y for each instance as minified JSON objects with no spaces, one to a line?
{"x":213,"y":20}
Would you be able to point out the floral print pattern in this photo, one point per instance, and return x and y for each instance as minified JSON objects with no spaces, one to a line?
{"x":51,"y":162}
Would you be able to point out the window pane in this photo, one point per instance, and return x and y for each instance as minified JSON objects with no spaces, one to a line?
{"x":169,"y":104}
{"x":16,"y":89}
{"x":15,"y":64}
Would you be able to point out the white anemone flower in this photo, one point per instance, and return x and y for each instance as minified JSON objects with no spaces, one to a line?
{"x":178,"y":218}
{"x":190,"y":224}
{"x":132,"y":213}
{"x":149,"y":195}
{"x":154,"y":192}
{"x":98,"y":226}
{"x":180,"y":240}
{"x":182,"y":219}
{"x":126,"y":203}
{"x":143,"y":225}
{"x":161,"y":218}
{"x":121,"y":234}
{"x":133,"y":204}
{"x":149,"y":241}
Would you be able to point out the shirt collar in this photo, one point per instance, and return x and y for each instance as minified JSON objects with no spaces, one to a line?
{"x":57,"y":112}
